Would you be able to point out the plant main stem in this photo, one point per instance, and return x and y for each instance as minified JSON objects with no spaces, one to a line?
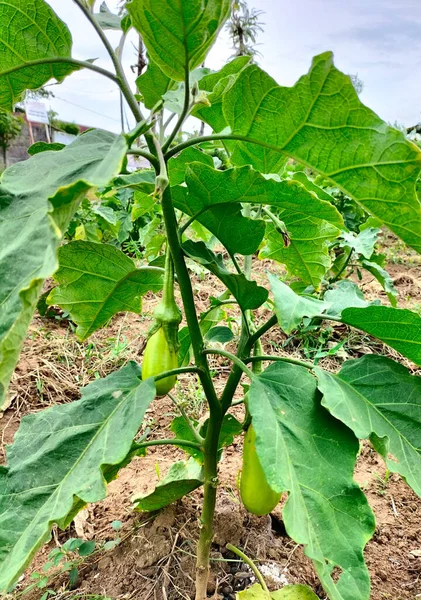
{"x":216,"y":414}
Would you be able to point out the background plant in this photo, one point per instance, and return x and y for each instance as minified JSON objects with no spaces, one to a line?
{"x":302,"y":415}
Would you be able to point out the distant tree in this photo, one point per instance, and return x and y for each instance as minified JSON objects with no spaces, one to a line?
{"x":10,"y":128}
{"x":243,"y":27}
{"x":357,"y":82}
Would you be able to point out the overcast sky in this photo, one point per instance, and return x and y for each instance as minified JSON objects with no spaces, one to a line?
{"x":380,"y":40}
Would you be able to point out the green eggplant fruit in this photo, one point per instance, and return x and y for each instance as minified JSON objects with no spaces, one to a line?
{"x":256,"y":494}
{"x":159,"y":358}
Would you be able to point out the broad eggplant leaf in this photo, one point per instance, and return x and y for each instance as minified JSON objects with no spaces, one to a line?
{"x":384,"y":279}
{"x":290,"y":308}
{"x":182,"y":478}
{"x":230,"y":428}
{"x":60,"y":454}
{"x":397,"y":327}
{"x":38,"y":197}
{"x":289,"y":592}
{"x":248,"y":294}
{"x":107,"y":19}
{"x":321,"y":123}
{"x":153,"y":84}
{"x":143,"y":180}
{"x":97,"y":281}
{"x":305,"y":451}
{"x":214,"y":197}
{"x":30,"y":31}
{"x":379,"y":399}
{"x":178,"y":35}
{"x":177,"y":165}
{"x":345,"y":294}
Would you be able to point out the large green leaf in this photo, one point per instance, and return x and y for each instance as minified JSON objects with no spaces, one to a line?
{"x":248,"y":294}
{"x":178,"y":34}
{"x":399,"y":328}
{"x":322,"y":123}
{"x":305,"y":451}
{"x":30,"y":31}
{"x":214,"y":197}
{"x":60,"y":454}
{"x":37,"y":200}
{"x":182,"y":478}
{"x":97,"y":281}
{"x":378,"y":398}
{"x":290,"y":307}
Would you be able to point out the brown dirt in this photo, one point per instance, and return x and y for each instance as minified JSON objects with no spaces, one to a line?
{"x":155,"y":558}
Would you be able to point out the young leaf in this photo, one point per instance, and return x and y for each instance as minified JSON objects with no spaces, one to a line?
{"x":290,"y":308}
{"x":38,"y":197}
{"x":97,"y":281}
{"x":345,"y":294}
{"x":177,"y":165}
{"x":305,"y":451}
{"x":379,"y":399}
{"x":178,"y":35}
{"x":384,"y":279}
{"x":216,"y":84}
{"x":68,"y":448}
{"x":363,"y":243}
{"x":30,"y":31}
{"x":107,"y":19}
{"x":322,"y":123}
{"x":248,"y":294}
{"x":182,"y":478}
{"x":399,"y":328}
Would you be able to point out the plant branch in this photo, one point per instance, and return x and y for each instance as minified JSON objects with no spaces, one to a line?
{"x":121,"y":76}
{"x":293,"y":361}
{"x":184,"y":113}
{"x":150,"y":157}
{"x":237,"y":361}
{"x":263,"y":329}
{"x":165,"y":442}
{"x":177,"y":371}
{"x":61,"y":59}
{"x":252,"y":566}
{"x":189,"y":422}
{"x":216,"y":137}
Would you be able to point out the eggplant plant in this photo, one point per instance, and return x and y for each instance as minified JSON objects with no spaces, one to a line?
{"x":306,"y":422}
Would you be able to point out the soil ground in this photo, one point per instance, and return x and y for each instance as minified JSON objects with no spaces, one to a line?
{"x":154,"y":556}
